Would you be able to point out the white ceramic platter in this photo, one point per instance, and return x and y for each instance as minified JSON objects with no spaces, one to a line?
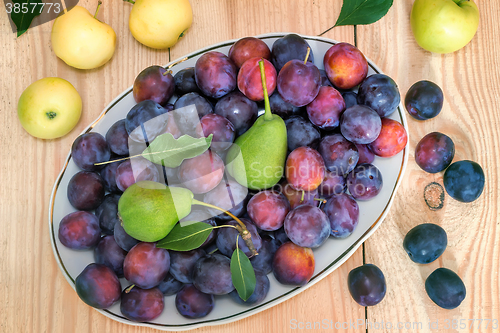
{"x":328,"y":257}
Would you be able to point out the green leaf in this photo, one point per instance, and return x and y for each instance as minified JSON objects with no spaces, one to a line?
{"x":186,"y":237}
{"x":170,"y":152}
{"x":358,"y":12}
{"x":242,"y":274}
{"x":33,"y":8}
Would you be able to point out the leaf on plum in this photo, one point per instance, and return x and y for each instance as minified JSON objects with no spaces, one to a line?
{"x":242,"y":274}
{"x":170,"y":152}
{"x":186,"y":237}
{"x":359,"y":12}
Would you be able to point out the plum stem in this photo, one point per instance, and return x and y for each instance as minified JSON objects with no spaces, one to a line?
{"x":321,"y":201}
{"x":97,"y":10}
{"x":302,"y":196}
{"x":307,"y":55}
{"x":268,"y":115}
{"x":129,"y":289}
{"x":242,"y":229}
{"x":131,"y":1}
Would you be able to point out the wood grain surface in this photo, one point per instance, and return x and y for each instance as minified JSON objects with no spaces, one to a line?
{"x":35,"y":296}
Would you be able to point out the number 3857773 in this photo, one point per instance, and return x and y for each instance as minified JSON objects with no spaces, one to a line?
{"x":24,"y":8}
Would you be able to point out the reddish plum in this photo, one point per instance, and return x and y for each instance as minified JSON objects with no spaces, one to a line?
{"x":98,"y":286}
{"x":268,"y":209}
{"x":154,"y":83}
{"x":221,"y":129}
{"x":391,"y":140}
{"x":298,"y":197}
{"x":434,"y":152}
{"x":146,"y":265}
{"x":215,"y":74}
{"x":247,"y":48}
{"x":305,"y":169}
{"x":293,"y":264}
{"x":345,"y":65}
{"x":79,"y":230}
{"x":250,"y":80}
{"x":325,"y":110}
{"x":202,"y":173}
{"x":135,"y":170}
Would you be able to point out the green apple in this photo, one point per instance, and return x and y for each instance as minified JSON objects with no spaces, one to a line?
{"x":49,"y":108}
{"x":81,"y":40}
{"x":444,"y":26}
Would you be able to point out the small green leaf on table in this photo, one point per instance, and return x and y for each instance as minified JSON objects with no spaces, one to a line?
{"x":170,"y":152}
{"x":359,"y":12}
{"x":23,"y":12}
{"x":242,"y":274}
{"x":186,"y":237}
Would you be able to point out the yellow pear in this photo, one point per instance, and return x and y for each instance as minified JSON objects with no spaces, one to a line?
{"x":81,"y":40}
{"x":160,"y":23}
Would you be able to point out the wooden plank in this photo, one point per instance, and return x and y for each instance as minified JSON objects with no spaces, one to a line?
{"x":36,"y":297}
{"x":469,"y":79}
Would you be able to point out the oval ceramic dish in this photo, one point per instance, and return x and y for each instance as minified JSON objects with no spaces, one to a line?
{"x":328,"y":257}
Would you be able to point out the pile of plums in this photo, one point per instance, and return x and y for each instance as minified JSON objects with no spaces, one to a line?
{"x":336,"y":120}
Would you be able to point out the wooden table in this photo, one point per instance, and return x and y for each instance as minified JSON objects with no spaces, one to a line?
{"x":34,"y":295}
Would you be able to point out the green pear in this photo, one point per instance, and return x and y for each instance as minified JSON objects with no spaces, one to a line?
{"x":257,"y":157}
{"x":149,"y":210}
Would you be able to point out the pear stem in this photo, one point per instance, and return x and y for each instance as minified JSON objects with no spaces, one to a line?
{"x":307,"y":55}
{"x":242,"y":229}
{"x":131,"y":1}
{"x":268,"y":115}
{"x":97,"y":10}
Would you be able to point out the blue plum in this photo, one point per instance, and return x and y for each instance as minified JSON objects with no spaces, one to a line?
{"x":192,"y":303}
{"x":445,"y":288}
{"x":367,"y":285}
{"x":182,"y":263}
{"x":424,"y":100}
{"x":141,"y":305}
{"x":307,"y":226}
{"x":212,"y":274}
{"x":343,"y":213}
{"x":379,"y":92}
{"x":262,"y":286}
{"x":425,"y":243}
{"x":464,"y":181}
{"x":365,"y":181}
{"x":88,"y":149}
{"x":108,"y":253}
